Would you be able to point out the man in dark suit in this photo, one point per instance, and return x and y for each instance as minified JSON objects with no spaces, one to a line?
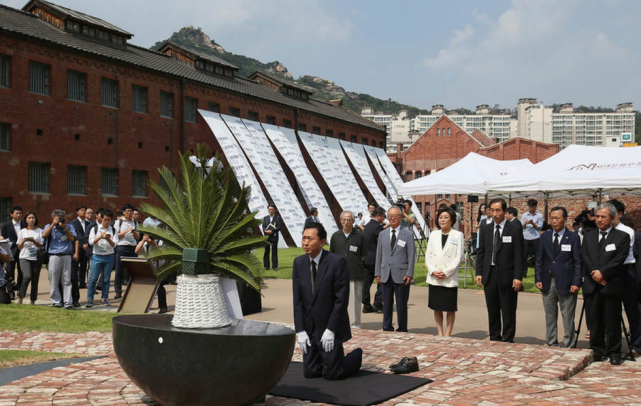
{"x":79,"y":262}
{"x":313,"y":218}
{"x":558,"y":275}
{"x":394,"y":268}
{"x":512,"y":215}
{"x":370,"y":236}
{"x":271,"y":226}
{"x":603,"y":253}
{"x":321,"y":291}
{"x":499,"y":269}
{"x":10,"y":230}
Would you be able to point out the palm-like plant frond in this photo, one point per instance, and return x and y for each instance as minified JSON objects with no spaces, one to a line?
{"x":206,"y":212}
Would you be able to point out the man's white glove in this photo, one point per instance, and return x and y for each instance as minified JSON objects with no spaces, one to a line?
{"x":303,"y":341}
{"x":327,"y":340}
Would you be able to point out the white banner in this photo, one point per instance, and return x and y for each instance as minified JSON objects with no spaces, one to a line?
{"x":389,"y":168}
{"x":286,"y":142}
{"x":348,"y":180}
{"x":259,"y":157}
{"x":356,"y":155}
{"x":391,"y":189}
{"x":237,"y":161}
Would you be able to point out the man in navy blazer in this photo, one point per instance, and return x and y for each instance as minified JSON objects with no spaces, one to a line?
{"x":313,"y":217}
{"x":558,"y":274}
{"x":321,"y":293}
{"x":603,"y":252}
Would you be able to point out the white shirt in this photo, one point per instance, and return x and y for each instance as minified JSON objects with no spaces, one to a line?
{"x":529,"y":232}
{"x":82,"y":224}
{"x":102,"y":247}
{"x":630,"y":259}
{"x":16,"y":226}
{"x":560,"y":233}
{"x":127,"y":239}
{"x":29,"y":250}
{"x":606,"y":233}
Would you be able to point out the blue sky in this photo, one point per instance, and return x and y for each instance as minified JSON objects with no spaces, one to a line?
{"x":459,"y":53}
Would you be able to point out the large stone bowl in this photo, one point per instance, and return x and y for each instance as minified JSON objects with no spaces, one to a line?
{"x":235,"y":365}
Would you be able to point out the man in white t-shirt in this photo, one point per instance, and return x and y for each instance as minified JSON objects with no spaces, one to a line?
{"x":127,"y":240}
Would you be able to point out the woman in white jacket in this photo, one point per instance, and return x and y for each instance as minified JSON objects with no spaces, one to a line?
{"x":444,"y":254}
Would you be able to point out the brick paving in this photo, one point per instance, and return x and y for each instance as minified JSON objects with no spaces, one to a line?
{"x":465,"y":372}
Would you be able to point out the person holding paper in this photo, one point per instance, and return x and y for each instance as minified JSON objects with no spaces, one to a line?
{"x":558,"y":274}
{"x":603,"y":254}
{"x":272,"y":224}
{"x":29,"y":241}
{"x":499,"y":270}
{"x":442,"y":259}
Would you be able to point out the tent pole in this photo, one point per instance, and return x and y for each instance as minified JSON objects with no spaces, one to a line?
{"x":546,"y":206}
{"x":600,"y":196}
{"x":510,"y":199}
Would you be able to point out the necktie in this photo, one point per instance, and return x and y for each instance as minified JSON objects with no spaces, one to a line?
{"x":313,"y":276}
{"x":495,"y":246}
{"x":556,"y":242}
{"x":602,"y":241}
{"x":393,"y":239}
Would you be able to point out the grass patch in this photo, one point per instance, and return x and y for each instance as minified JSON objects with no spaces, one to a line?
{"x":15,"y":358}
{"x":286,"y":260}
{"x":23,"y":318}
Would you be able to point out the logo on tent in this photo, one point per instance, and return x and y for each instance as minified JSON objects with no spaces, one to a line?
{"x":596,"y":167}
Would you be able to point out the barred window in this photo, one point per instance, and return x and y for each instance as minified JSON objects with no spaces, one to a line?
{"x":5,"y":132}
{"x":39,"y":177}
{"x":329,"y":133}
{"x":191,"y":107}
{"x":109,"y":93}
{"x":166,"y":104}
{"x":233,"y":111}
{"x":364,"y":141}
{"x":109,"y":182}
{"x":353,"y":138}
{"x":341,"y":136}
{"x":252,"y":115}
{"x":39,"y":78}
{"x":139,"y":183}
{"x":5,"y":64}
{"x":215,"y":107}
{"x":6,"y":203}
{"x":302,"y":127}
{"x":271,"y":120}
{"x":287,"y":123}
{"x":139,"y":99}
{"x":76,"y":180}
{"x":76,"y":86}
{"x":316,"y":130}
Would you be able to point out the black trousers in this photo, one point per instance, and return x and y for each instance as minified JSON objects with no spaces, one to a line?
{"x":367,"y":284}
{"x":162,"y":294}
{"x":4,"y":296}
{"x":529,"y":248}
{"x":604,"y":323}
{"x":332,"y":365}
{"x":501,"y":307}
{"x":10,"y":271}
{"x":402,"y":294}
{"x":80,"y":268}
{"x":631,"y":305}
{"x":31,"y":272}
{"x":273,"y":247}
{"x":121,"y":276}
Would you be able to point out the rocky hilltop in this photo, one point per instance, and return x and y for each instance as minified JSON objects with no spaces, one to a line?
{"x":323,"y":89}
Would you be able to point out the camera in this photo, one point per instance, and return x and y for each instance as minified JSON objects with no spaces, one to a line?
{"x":61,"y":220}
{"x":400,"y":203}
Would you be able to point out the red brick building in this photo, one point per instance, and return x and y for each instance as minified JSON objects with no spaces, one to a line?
{"x":87,"y":118}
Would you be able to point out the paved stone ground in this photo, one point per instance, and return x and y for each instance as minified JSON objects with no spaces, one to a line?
{"x":465,"y":372}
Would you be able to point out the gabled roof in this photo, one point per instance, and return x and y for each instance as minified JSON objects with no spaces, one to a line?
{"x":481,"y":137}
{"x":195,"y":54}
{"x":20,"y":23}
{"x":280,"y":81}
{"x":62,"y":12}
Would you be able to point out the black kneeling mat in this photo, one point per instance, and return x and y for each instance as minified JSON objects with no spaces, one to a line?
{"x":363,"y":388}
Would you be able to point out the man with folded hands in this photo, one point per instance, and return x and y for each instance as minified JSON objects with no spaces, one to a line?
{"x":321,"y":293}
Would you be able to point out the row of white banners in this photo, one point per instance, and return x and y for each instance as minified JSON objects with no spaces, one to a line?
{"x":244,"y":142}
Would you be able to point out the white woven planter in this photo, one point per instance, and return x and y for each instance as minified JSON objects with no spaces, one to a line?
{"x":200,"y":303}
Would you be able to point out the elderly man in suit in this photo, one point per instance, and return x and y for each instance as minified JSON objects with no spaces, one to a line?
{"x":499,"y":269}
{"x":313,"y":217}
{"x":320,"y":283}
{"x":370,"y":237}
{"x":395,"y":269}
{"x":558,"y":275}
{"x":10,"y":230}
{"x":272,"y":224}
{"x":603,"y":253}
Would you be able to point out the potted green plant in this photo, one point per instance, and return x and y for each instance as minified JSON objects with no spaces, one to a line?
{"x":201,"y":356}
{"x":207,"y":234}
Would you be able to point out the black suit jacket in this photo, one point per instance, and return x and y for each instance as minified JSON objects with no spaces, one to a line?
{"x":327,"y":307}
{"x":637,"y":253}
{"x":309,"y":220}
{"x":517,"y":222}
{"x":83,"y":236}
{"x":370,"y":236}
{"x":9,"y":232}
{"x":609,"y":262}
{"x":509,"y":259}
{"x":278,"y":221}
{"x":564,"y":264}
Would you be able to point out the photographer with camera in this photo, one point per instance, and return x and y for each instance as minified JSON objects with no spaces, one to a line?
{"x":60,"y":239}
{"x":409,"y":219}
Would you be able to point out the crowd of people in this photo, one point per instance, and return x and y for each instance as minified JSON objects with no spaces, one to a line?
{"x":81,"y":254}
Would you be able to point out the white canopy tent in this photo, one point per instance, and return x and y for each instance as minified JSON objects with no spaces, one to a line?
{"x":576,"y":171}
{"x":467,"y":176}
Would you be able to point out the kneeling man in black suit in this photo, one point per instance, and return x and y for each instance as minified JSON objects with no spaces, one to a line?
{"x":321,"y":293}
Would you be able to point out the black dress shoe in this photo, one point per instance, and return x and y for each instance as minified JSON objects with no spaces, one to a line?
{"x":82,"y":286}
{"x":402,"y":361}
{"x":118,"y":296}
{"x":76,"y":304}
{"x":377,"y":309}
{"x":368,"y":309}
{"x":616,"y":361}
{"x":408,"y":367}
{"x":162,"y":310}
{"x":599,"y":358}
